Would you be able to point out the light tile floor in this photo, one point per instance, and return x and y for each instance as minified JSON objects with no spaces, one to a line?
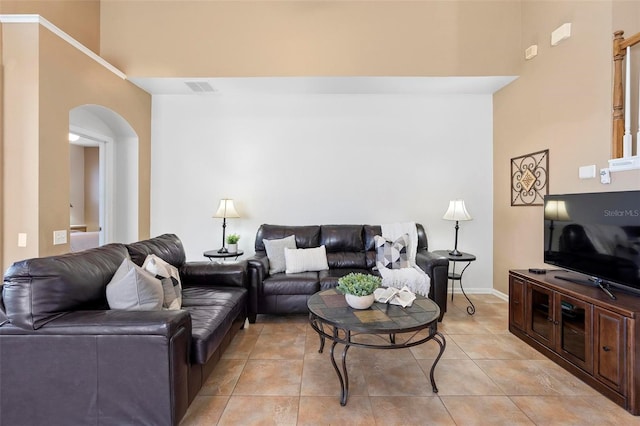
{"x":272,"y":374}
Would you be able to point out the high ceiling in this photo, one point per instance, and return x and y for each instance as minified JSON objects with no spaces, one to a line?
{"x":323,"y":85}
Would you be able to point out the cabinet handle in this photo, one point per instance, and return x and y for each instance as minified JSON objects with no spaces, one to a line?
{"x":606,"y":348}
{"x":550,"y":319}
{"x":556,"y":323}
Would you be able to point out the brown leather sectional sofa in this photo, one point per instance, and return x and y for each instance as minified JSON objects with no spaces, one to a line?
{"x":350,"y":248}
{"x":67,"y":359}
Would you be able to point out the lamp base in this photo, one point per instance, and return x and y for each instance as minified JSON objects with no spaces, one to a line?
{"x":455,"y":252}
{"x":223,"y":250}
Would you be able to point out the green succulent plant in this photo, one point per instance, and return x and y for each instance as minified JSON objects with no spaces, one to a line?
{"x":233,"y":238}
{"x":358,"y":284}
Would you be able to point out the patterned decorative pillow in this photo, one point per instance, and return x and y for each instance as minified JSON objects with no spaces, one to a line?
{"x":392,"y":254}
{"x":169,"y":277}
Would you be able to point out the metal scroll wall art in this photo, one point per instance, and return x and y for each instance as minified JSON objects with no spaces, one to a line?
{"x":530,"y":179}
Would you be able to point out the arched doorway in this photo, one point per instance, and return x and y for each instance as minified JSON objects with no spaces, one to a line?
{"x":109,"y":190}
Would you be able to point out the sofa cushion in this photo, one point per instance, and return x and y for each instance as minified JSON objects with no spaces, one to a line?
{"x":329,"y":279}
{"x":306,"y":236}
{"x":212,"y":296}
{"x":212,"y":311}
{"x":392,"y":254}
{"x":38,"y":290}
{"x":305,"y":260}
{"x":302,"y":283}
{"x":167,"y":246}
{"x":134,"y":289}
{"x":339,"y":238}
{"x":275,"y":252}
{"x":347,"y":260}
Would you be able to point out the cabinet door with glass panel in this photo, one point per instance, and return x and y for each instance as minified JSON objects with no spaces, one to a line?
{"x":562,"y":323}
{"x":574,"y":334}
{"x":540,"y":314}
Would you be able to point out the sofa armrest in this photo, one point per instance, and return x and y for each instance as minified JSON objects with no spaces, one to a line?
{"x":205,"y":273}
{"x":165,"y":323}
{"x":260,"y":263}
{"x":258,"y":270}
{"x":437,"y":267}
{"x":114,"y":366}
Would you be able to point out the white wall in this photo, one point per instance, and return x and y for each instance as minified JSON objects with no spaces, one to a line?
{"x":76,"y":184}
{"x":323,"y":159}
{"x":119,"y":159}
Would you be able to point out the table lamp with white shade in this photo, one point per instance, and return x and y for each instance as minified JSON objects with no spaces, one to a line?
{"x":226,"y":209}
{"x":457,"y":211}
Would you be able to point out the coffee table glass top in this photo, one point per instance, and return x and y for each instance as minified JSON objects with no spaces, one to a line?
{"x":331,"y":307}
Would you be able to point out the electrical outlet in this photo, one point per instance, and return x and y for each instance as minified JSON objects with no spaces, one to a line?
{"x":531,"y":51}
{"x":60,"y":237}
{"x":22,"y":239}
{"x":605,"y":176}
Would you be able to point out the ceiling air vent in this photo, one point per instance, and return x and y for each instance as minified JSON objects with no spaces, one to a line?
{"x":199,"y":86}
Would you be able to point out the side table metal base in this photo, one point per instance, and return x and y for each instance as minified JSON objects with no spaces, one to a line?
{"x":471,"y":309}
{"x":462,"y":257}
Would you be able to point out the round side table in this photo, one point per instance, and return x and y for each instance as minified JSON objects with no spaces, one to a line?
{"x":213,"y":254}
{"x":463,"y":257}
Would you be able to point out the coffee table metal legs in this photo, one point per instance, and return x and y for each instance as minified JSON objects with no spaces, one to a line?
{"x":342,"y":376}
{"x":439,"y":338}
{"x":341,"y":371}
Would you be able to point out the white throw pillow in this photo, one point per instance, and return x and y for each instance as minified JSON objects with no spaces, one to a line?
{"x":275,"y":252}
{"x":306,"y":260}
{"x":169,"y":277}
{"x":134,"y":289}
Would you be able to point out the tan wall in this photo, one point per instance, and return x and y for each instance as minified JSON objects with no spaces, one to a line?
{"x":61,"y":78}
{"x":562,"y":101}
{"x":91,"y":188}
{"x":78,"y":18}
{"x":21,"y":134}
{"x":1,"y":147}
{"x":311,"y":38}
{"x":20,"y":202}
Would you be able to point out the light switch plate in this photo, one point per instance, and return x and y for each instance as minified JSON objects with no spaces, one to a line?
{"x":22,"y":239}
{"x":587,"y":172}
{"x":60,"y":237}
{"x":561,"y":33}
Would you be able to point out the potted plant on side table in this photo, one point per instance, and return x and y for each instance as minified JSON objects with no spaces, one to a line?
{"x":232,"y":243}
{"x":358,"y":289}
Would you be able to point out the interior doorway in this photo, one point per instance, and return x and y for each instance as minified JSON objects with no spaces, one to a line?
{"x":88,"y":190}
{"x":104,"y":134}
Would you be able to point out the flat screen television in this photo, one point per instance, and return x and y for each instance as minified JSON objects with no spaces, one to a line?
{"x":595,"y":234}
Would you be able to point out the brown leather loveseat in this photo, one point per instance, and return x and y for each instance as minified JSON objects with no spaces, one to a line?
{"x":349,"y":248}
{"x":67,"y":359}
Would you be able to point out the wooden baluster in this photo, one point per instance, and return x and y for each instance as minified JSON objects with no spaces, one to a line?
{"x":619,"y":53}
{"x":618,"y":110}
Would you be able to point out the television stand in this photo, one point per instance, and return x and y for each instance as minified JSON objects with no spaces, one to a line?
{"x":577,"y":326}
{"x":604,"y":286}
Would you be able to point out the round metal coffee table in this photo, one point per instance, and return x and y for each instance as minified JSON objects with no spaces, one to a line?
{"x":395,"y":327}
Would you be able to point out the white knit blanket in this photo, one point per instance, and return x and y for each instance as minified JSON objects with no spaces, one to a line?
{"x":413,"y":277}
